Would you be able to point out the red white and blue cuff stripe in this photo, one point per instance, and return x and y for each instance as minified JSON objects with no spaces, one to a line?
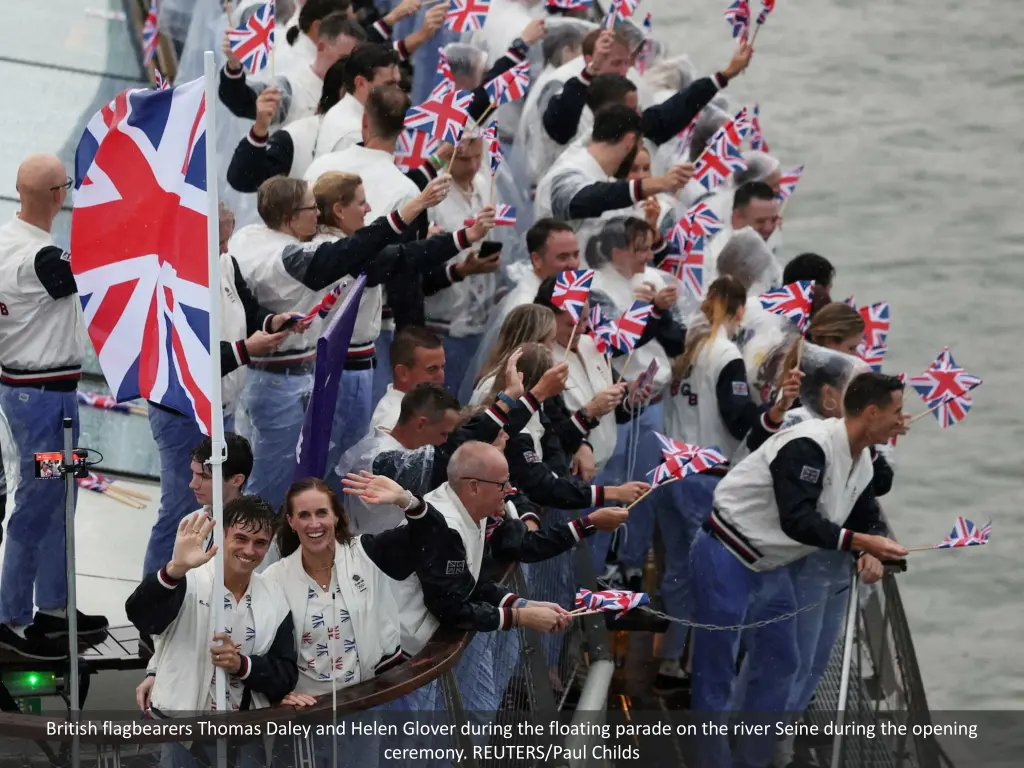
{"x":244,"y":669}
{"x":505,"y":610}
{"x":581,"y":528}
{"x":165,"y":580}
{"x":596,"y":495}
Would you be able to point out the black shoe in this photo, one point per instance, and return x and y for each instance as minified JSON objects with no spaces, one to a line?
{"x":34,"y":645}
{"x":54,"y":626}
{"x":671,"y":685}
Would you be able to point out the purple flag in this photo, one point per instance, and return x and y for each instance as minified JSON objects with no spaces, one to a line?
{"x":331,"y":354}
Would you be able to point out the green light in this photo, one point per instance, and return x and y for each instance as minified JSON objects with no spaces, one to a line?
{"x":33,"y":680}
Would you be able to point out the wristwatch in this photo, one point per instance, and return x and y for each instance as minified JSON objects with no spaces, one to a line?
{"x":503,"y":398}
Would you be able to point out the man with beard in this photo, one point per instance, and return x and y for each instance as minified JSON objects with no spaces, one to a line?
{"x":583,"y":183}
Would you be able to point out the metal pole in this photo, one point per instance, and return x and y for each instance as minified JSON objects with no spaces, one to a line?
{"x":71,"y":605}
{"x":844,"y":683}
{"x":218,"y":452}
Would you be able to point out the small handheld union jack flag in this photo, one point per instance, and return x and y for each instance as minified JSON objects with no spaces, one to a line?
{"x":504,"y":216}
{"x":150,"y":33}
{"x":688,"y":266}
{"x":701,"y":220}
{"x":757,"y":142}
{"x":792,"y":301}
{"x":323,"y":309}
{"x":570,"y":5}
{"x":610,"y":600}
{"x":767,"y":6}
{"x":788,"y":181}
{"x":106,"y":402}
{"x":944,"y":387}
{"x":643,"y":56}
{"x":851,"y":302}
{"x":876,"y":323}
{"x":443,"y":117}
{"x":162,"y":84}
{"x":510,"y":85}
{"x":572,"y":289}
{"x":964,"y":534}
{"x":737,"y":16}
{"x":490,"y":137}
{"x":630,"y":327}
{"x":253,"y":41}
{"x":677,"y":467}
{"x":467,"y":15}
{"x":94,"y":482}
{"x":601,"y":329}
{"x":445,"y":78}
{"x":672,"y":448}
{"x":719,"y":160}
{"x":412,"y":150}
{"x":620,"y":10}
{"x":872,"y":355}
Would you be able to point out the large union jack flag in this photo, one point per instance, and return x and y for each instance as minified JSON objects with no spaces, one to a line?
{"x":150,"y":30}
{"x":412,"y":150}
{"x":510,"y":85}
{"x":467,"y":15}
{"x":572,"y":289}
{"x":944,"y":387}
{"x":792,"y":301}
{"x":252,"y":41}
{"x":138,"y":233}
{"x":443,"y":116}
{"x":737,"y":16}
{"x":876,"y":323}
{"x":630,"y":327}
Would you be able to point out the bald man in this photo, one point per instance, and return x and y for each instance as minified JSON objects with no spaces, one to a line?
{"x":41,"y":350}
{"x":466,"y":516}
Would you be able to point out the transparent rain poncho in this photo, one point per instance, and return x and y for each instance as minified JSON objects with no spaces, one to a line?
{"x":11,"y":468}
{"x":760,"y":165}
{"x":381,"y":454}
{"x":747,"y":258}
{"x":823,"y":367}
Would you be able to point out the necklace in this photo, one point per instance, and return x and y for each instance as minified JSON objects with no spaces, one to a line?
{"x":311,"y":571}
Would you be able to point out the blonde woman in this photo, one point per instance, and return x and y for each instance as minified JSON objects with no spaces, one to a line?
{"x":526,"y":324}
{"x":710,"y":402}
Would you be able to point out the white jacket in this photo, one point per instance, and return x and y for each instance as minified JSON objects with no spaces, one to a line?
{"x":590,"y":373}
{"x":368,"y":597}
{"x":746,"y":514}
{"x":182,"y":658}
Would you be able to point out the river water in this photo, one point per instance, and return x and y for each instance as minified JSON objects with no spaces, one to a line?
{"x":908,"y":117}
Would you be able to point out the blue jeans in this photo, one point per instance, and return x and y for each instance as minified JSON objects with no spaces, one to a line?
{"x":382,"y":373}
{"x":175,"y":436}
{"x":270,"y":416}
{"x":458,"y":357}
{"x":817,"y":578}
{"x":351,"y":419}
{"x":638,"y":439}
{"x":680,"y":508}
{"x":36,"y":543}
{"x":728,"y":593}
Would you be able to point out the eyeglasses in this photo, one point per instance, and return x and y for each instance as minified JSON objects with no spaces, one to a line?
{"x":68,"y":184}
{"x":505,"y":485}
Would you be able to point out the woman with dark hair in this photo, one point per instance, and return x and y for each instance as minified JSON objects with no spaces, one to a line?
{"x":340,"y":594}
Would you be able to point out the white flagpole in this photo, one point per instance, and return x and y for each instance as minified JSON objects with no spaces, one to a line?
{"x":217,"y":456}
